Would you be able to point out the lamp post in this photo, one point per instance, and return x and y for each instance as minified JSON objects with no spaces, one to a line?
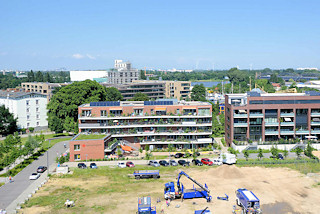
{"x":48,"y":158}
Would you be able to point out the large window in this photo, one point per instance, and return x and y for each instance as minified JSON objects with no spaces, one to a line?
{"x":203,"y":111}
{"x":77,"y":157}
{"x":76,"y":147}
{"x":86,"y":113}
{"x":103,"y":113}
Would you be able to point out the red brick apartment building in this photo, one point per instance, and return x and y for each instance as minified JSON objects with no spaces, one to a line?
{"x":139,"y":123}
{"x":264,"y":117}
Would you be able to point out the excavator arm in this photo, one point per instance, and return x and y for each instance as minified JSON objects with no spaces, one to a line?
{"x":194,"y":181}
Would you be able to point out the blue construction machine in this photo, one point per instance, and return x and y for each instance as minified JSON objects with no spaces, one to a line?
{"x":144,"y":206}
{"x":205,"y":211}
{"x":248,"y":201}
{"x":181,"y":192}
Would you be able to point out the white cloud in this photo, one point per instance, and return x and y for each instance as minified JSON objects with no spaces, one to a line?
{"x":90,"y":56}
{"x":77,"y":56}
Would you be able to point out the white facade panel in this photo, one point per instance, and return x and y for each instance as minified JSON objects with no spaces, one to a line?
{"x":87,"y":75}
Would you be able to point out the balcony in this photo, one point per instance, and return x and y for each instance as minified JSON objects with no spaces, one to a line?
{"x":315,"y":131}
{"x":286,"y":132}
{"x":315,"y":114}
{"x":315,"y":123}
{"x":271,"y":132}
{"x":287,"y":114}
{"x":142,"y":125}
{"x":287,"y":123}
{"x":256,"y":115}
{"x":240,"y":125}
{"x":302,"y":132}
{"x":178,"y":141}
{"x":145,"y":134}
{"x":271,"y":124}
{"x":240,"y":115}
{"x":81,"y":117}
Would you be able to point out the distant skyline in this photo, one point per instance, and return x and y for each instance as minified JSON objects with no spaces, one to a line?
{"x":76,"y":35}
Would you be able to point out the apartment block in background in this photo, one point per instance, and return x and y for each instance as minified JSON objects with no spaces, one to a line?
{"x":29,"y":108}
{"x":122,"y":73}
{"x":173,"y":89}
{"x":44,"y":88}
{"x":263,"y":117}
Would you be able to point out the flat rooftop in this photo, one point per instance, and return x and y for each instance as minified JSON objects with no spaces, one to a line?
{"x":257,"y":94}
{"x":146,"y":103}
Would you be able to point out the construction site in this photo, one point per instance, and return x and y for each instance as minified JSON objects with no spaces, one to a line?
{"x":110,"y":190}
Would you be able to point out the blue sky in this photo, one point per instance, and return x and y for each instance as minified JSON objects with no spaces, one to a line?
{"x":159,"y":34}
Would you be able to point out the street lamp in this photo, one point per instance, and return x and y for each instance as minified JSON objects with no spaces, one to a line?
{"x":48,"y":158}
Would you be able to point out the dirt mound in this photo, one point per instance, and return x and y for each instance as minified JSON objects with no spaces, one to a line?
{"x":228,"y":172}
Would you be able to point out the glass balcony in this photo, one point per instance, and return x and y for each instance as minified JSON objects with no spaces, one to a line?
{"x":315,"y":123}
{"x":240,"y":125}
{"x":287,"y":114}
{"x":315,"y":131}
{"x":315,"y":114}
{"x":271,"y":124}
{"x":287,"y":123}
{"x":256,"y":115}
{"x":271,"y":132}
{"x":302,"y":132}
{"x":240,"y":115}
{"x":286,"y":132}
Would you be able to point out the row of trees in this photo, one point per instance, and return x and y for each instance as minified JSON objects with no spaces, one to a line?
{"x":8,"y":123}
{"x":11,"y":148}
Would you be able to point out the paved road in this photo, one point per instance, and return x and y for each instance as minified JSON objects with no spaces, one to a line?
{"x":10,"y":191}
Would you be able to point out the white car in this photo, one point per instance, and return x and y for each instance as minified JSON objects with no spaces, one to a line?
{"x":34,"y":176}
{"x":122,"y":165}
{"x":217,"y":162}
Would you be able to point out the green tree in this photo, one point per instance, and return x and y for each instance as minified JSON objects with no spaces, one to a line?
{"x":308,"y":150}
{"x":113,"y":94}
{"x":30,"y":76}
{"x":47,"y":77}
{"x":142,"y":75}
{"x":146,"y":148}
{"x":30,"y":145}
{"x":170,"y":148}
{"x":246,"y":154}
{"x":285,"y":152}
{"x":70,"y":125}
{"x":298,"y":152}
{"x":260,"y":154}
{"x":8,"y":124}
{"x":198,"y":93}
{"x":140,"y":97}
{"x":65,"y":102}
{"x":274,"y":152}
{"x":39,"y":77}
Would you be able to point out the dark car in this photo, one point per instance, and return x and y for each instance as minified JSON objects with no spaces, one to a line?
{"x":207,"y":161}
{"x":197,"y":162}
{"x":41,"y":169}
{"x":280,"y":156}
{"x":186,"y":155}
{"x":93,"y":166}
{"x":82,"y":166}
{"x":163,"y":163}
{"x":129,"y":164}
{"x":178,"y":155}
{"x":173,"y":163}
{"x":184,"y":163}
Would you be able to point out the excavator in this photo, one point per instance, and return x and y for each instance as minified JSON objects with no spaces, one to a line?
{"x":171,"y":193}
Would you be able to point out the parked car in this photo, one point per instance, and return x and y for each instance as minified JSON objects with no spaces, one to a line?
{"x":217,"y":161}
{"x":197,"y":162}
{"x":184,"y":163}
{"x":82,"y":166}
{"x":122,"y":165}
{"x":154,"y":163}
{"x":34,"y":176}
{"x":178,"y":155}
{"x":173,"y":163}
{"x":93,"y":166}
{"x":41,"y":169}
{"x":207,"y":161}
{"x":186,"y":155}
{"x":280,"y":156}
{"x":129,"y":164}
{"x":163,"y":163}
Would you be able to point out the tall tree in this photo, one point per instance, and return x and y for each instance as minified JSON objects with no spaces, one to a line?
{"x":30,"y":76}
{"x":8,"y":124}
{"x":113,"y":94}
{"x":142,"y":75}
{"x":65,"y":102}
{"x":39,"y":77}
{"x":198,"y":93}
{"x":140,"y":97}
{"x":47,"y":77}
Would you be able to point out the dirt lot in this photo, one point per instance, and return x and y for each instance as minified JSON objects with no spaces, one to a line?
{"x":280,"y":190}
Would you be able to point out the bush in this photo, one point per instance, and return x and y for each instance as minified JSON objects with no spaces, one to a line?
{"x":31,"y":129}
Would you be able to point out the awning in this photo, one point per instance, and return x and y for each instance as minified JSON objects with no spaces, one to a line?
{"x":311,"y":137}
{"x":115,"y":108}
{"x":126,"y":148}
{"x":242,"y":111}
{"x":316,"y":119}
{"x":190,"y":107}
{"x":115,"y":121}
{"x":286,"y":119}
{"x":160,"y":109}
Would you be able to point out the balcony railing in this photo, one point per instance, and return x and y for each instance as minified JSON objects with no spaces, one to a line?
{"x":287,"y":123}
{"x":110,"y":117}
{"x":240,"y":125}
{"x":286,"y":132}
{"x":315,"y":123}
{"x":103,"y":125}
{"x":315,"y":114}
{"x":240,"y":115}
{"x":256,"y":115}
{"x":271,"y":132}
{"x":271,"y":124}
{"x":287,"y":114}
{"x":315,"y":131}
{"x":302,"y":132}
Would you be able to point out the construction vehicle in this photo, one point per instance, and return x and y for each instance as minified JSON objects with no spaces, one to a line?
{"x":248,"y":201}
{"x":146,"y":174}
{"x":171,"y":193}
{"x":205,"y":211}
{"x":144,"y":206}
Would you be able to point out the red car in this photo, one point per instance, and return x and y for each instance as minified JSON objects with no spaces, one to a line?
{"x":129,"y":164}
{"x":207,"y":161}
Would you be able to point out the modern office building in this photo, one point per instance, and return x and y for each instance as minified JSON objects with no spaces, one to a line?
{"x":154,"y":90}
{"x":154,"y":123}
{"x":89,"y":75}
{"x":122,"y":73}
{"x":41,"y":87}
{"x":29,"y":108}
{"x":173,"y":89}
{"x":264,"y":117}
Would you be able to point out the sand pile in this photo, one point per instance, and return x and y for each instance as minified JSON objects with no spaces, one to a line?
{"x":227,"y":172}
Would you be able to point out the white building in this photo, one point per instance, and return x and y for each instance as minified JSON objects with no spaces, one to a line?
{"x":87,"y":75}
{"x":29,"y":108}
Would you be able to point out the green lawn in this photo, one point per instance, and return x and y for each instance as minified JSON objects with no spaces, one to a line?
{"x":90,"y":137}
{"x":1,"y":184}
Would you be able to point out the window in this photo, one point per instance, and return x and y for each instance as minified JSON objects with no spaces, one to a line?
{"x":27,"y":102}
{"x":28,"y":124}
{"x":86,"y":113}
{"x":44,"y":91}
{"x":37,"y":102}
{"x":37,"y":109}
{"x":38,"y":116}
{"x":76,"y":147}
{"x":28,"y":117}
{"x":103,"y":113}
{"x":38,"y":124}
{"x":77,"y":157}
{"x":28,"y":110}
